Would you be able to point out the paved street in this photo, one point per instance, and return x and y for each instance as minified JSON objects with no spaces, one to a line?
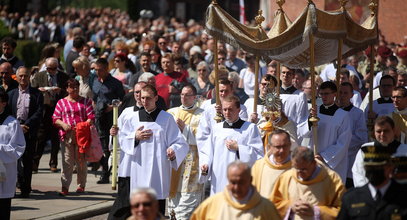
{"x":45,"y":203}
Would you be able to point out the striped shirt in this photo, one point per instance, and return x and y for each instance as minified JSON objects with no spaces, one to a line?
{"x":73,"y":113}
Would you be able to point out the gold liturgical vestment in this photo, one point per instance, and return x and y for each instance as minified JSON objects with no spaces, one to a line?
{"x":324,"y":191}
{"x":265,"y":174}
{"x":221,"y":206}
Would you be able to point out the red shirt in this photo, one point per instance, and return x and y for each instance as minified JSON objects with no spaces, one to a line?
{"x":163,"y":80}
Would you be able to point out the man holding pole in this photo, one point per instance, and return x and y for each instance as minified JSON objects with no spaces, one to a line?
{"x":334,"y":131}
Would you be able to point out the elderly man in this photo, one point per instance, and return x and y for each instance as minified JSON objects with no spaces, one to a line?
{"x":7,"y":82}
{"x":334,"y":131}
{"x":277,"y":160}
{"x":381,"y":197}
{"x":234,"y":139}
{"x":358,"y":125}
{"x":52,"y":84}
{"x":155,"y":144}
{"x":144,"y":205}
{"x":26,"y":104}
{"x":239,"y":200}
{"x":309,"y":190}
{"x":186,"y":192}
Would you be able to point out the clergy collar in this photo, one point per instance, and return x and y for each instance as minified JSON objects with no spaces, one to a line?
{"x":188,"y":108}
{"x":246,"y":198}
{"x":348,"y":108}
{"x":328,"y":110}
{"x":136,"y":108}
{"x":237,"y":124}
{"x":288,"y":90}
{"x":271,"y":157}
{"x":393,"y":145}
{"x":383,"y":100}
{"x":148,"y":117}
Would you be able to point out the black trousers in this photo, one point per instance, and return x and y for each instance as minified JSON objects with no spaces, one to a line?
{"x":5,"y":208}
{"x":47,"y":132}
{"x":25,"y":165}
{"x":103,"y":124}
{"x":121,"y":206}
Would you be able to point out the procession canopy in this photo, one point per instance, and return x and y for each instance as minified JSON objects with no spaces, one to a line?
{"x":288,"y":42}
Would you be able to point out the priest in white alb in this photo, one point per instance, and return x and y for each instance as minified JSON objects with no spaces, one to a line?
{"x":156,"y":144}
{"x":234,"y":139}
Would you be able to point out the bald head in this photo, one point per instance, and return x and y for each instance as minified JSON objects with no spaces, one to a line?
{"x":240,"y":179}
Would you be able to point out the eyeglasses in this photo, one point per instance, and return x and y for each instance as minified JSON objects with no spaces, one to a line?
{"x":145,"y":204}
{"x":3,"y":73}
{"x":162,"y":43}
{"x":117,"y":61}
{"x":52,"y":68}
{"x":137,"y":92}
{"x":264,"y":84}
{"x":397,"y":97}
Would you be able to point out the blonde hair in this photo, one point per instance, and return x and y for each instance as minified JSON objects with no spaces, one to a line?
{"x":82,"y":62}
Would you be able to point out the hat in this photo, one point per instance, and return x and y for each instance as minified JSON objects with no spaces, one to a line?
{"x":402,"y":53}
{"x":376,"y":155}
{"x":399,"y":159}
{"x":384,"y":52}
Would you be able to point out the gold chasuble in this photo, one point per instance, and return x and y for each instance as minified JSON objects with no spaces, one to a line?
{"x":185,"y":179}
{"x":265,"y":174}
{"x":324,"y":191}
{"x":222,"y":206}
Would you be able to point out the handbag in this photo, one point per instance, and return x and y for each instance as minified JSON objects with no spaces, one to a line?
{"x":94,"y":153}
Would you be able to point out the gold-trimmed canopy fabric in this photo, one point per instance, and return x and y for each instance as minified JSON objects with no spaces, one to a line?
{"x":288,"y":42}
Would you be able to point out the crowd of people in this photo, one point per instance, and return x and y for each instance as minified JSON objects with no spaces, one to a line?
{"x":178,"y":145}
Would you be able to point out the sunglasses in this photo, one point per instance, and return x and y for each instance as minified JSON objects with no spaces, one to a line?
{"x":52,"y":68}
{"x":145,"y":204}
{"x":117,"y":61}
{"x":3,"y":73}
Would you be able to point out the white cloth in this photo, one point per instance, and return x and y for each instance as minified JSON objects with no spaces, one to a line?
{"x":125,"y":159}
{"x":356,"y":99}
{"x":149,"y":164}
{"x":12,"y":146}
{"x":359,"y":136}
{"x":334,"y":135}
{"x":295,"y":107}
{"x":248,"y":78}
{"x":207,"y":121}
{"x":250,"y":104}
{"x":329,"y":73}
{"x":358,"y":169}
{"x":377,"y":78}
{"x":365,"y":102}
{"x":217,"y":156}
{"x":380,"y":109}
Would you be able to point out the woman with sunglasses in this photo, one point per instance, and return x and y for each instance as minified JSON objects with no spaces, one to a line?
{"x":121,"y":72}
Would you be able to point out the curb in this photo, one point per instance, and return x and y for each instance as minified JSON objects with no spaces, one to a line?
{"x":82,"y":213}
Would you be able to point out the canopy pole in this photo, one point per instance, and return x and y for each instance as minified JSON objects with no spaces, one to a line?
{"x":115,"y":103}
{"x":278,"y":74}
{"x":259,"y":19}
{"x":218,"y":117}
{"x":313,"y":120}
{"x":370,"y":122}
{"x":256,"y":84}
{"x":338,"y":68}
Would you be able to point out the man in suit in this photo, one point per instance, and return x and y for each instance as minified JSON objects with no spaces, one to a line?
{"x":52,"y":84}
{"x":26,"y":105}
{"x":381,"y":197}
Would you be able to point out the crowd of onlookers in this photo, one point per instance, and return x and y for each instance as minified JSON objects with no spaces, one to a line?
{"x":87,"y":48}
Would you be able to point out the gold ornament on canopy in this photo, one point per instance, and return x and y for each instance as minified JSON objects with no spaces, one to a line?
{"x":373,"y":7}
{"x":259,"y":18}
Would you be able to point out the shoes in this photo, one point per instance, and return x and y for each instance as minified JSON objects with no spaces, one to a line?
{"x":80,"y":190}
{"x":103,"y":181}
{"x":95,"y":166}
{"x":24,"y":195}
{"x":35,"y":171}
{"x":54,"y":169}
{"x":63,"y":192}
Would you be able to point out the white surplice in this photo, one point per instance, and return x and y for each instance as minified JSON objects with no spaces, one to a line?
{"x":295,"y":107}
{"x":380,"y":109}
{"x":12,"y":146}
{"x":150,"y":166}
{"x":334,"y":135}
{"x":217,"y":156}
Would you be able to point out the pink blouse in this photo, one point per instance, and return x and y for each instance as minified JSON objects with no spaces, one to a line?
{"x":72,"y":113}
